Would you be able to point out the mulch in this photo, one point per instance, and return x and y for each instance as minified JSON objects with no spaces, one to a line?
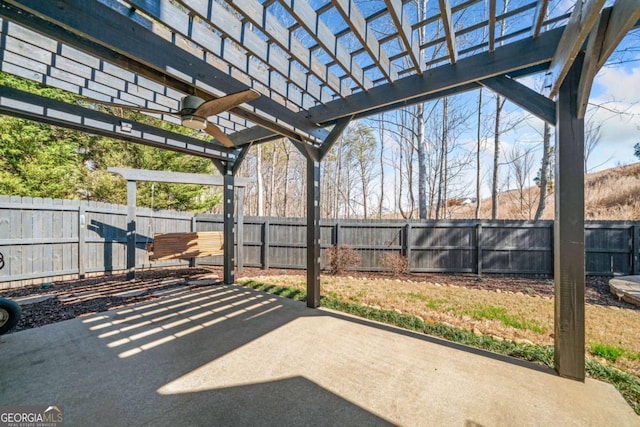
{"x":83,"y":297}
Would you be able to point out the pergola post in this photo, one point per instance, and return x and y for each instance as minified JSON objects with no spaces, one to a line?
{"x":131,"y":229}
{"x":313,"y":232}
{"x":569,"y":256}
{"x":229,"y":229}
{"x":314,"y":155}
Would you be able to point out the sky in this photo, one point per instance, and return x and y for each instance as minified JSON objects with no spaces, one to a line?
{"x":614,"y":104}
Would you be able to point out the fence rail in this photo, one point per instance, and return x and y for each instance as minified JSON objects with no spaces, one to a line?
{"x":43,"y":239}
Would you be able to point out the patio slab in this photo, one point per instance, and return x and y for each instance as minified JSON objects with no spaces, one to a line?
{"x":228,"y":355}
{"x":627,"y":288}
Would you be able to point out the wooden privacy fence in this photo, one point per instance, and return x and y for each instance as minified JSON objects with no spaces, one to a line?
{"x":505,"y":246}
{"x":43,"y":239}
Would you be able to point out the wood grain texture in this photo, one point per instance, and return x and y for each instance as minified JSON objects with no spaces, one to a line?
{"x":186,"y":245}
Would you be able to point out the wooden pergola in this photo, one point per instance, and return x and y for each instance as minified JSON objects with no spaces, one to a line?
{"x":318,"y":64}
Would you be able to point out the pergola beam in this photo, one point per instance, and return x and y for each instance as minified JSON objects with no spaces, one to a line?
{"x":613,"y":24}
{"x":449,"y":31}
{"x":172,"y":177}
{"x":354,"y":19}
{"x":401,"y":21}
{"x":624,"y":16}
{"x":592,"y":56}
{"x":582,"y":20}
{"x":515,"y":56}
{"x":536,"y":104}
{"x":25,"y":105}
{"x":110,"y":29}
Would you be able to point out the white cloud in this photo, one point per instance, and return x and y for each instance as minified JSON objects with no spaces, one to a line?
{"x":620,"y":83}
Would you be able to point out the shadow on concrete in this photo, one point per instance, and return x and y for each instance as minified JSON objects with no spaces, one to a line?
{"x":227,"y":355}
{"x":110,"y":368}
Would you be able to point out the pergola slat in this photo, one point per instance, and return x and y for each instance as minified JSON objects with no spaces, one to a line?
{"x":450,"y":35}
{"x":25,"y":105}
{"x":492,"y":25}
{"x":112,"y":89}
{"x":322,"y":35}
{"x":538,"y":17}
{"x":256,"y":14}
{"x":117,"y":32}
{"x":354,"y":19}
{"x":227,"y":23}
{"x":396,"y":11}
{"x":514,"y":56}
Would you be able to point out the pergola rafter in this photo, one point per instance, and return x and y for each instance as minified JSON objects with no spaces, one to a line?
{"x":317,"y":70}
{"x":309,"y":20}
{"x":354,"y":19}
{"x":401,"y":21}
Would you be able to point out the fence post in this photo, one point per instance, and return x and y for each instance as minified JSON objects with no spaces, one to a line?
{"x":635,"y":247}
{"x":265,"y":245}
{"x":192,"y":261}
{"x":479,"y":249}
{"x":81,"y":239}
{"x":407,"y":244}
{"x":131,"y":230}
{"x":240,"y":230}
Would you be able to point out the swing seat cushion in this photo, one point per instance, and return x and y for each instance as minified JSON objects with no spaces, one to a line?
{"x":185,"y":245}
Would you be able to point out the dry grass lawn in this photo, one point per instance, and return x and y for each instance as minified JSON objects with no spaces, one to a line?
{"x":512,"y":316}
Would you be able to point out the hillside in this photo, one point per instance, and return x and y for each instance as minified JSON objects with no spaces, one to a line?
{"x":611,"y":194}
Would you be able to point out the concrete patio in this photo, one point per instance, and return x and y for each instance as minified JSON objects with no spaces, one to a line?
{"x":226,"y":355}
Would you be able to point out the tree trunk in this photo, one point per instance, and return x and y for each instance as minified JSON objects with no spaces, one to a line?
{"x":272,"y":184}
{"x":260,"y":183}
{"x":496,"y":161}
{"x":422,"y":160}
{"x":445,"y":155}
{"x":285,"y":195}
{"x":422,"y":163}
{"x":478,"y":152}
{"x":544,"y":171}
{"x":381,"y":204}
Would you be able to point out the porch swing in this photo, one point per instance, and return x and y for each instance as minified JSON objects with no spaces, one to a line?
{"x":185,"y":245}
{"x":197,"y":244}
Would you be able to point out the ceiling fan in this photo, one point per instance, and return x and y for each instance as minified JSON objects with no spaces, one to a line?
{"x":194,"y":111}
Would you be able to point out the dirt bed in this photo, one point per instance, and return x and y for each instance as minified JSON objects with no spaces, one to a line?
{"x":75,"y":298}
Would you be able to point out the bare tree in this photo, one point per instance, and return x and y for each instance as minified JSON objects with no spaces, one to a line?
{"x":592,"y":137}
{"x":260,"y":183}
{"x":495,"y":185}
{"x":543,"y":174}
{"x":362,"y":150}
{"x":381,"y":128}
{"x":521,"y":164}
{"x":478,"y":152}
